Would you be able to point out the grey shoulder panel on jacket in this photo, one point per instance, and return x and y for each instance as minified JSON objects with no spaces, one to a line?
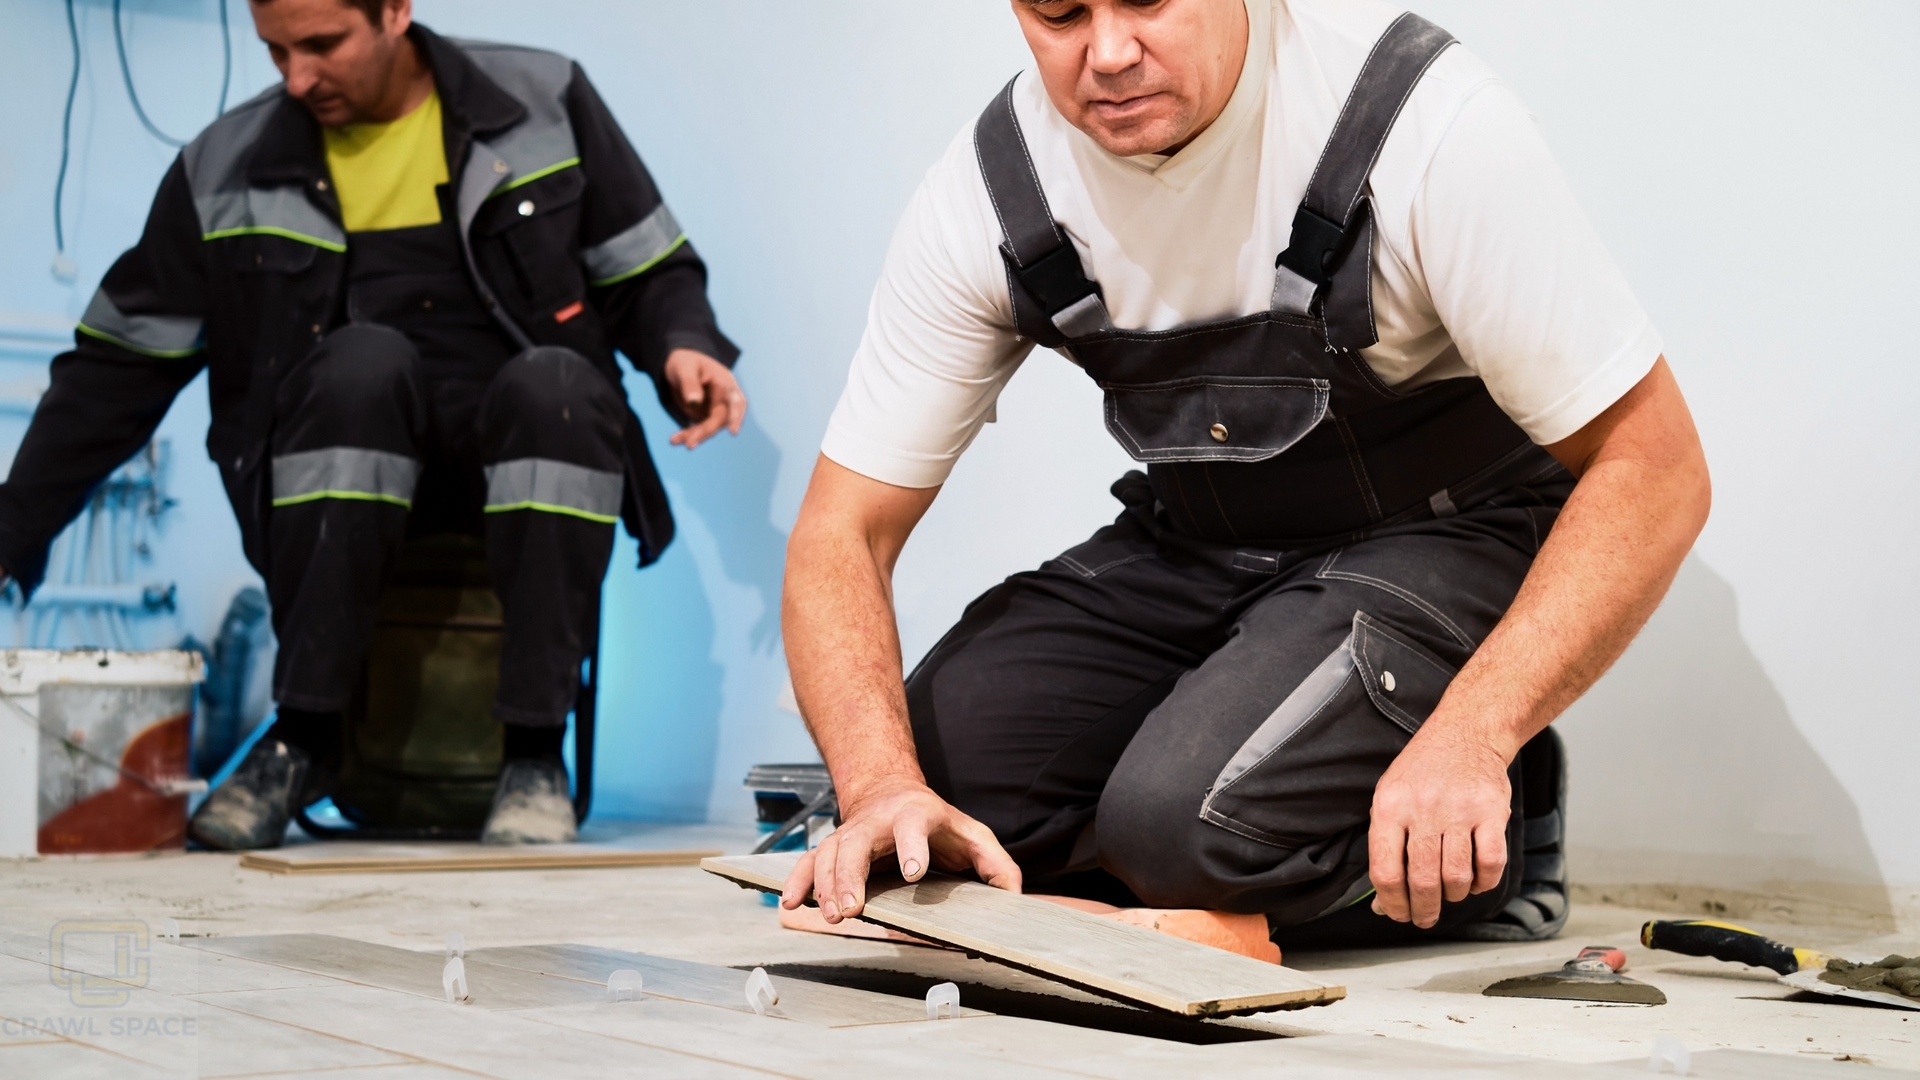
{"x":538,"y":80}
{"x":523,"y":72}
{"x":215,"y":157}
{"x":227,"y":206}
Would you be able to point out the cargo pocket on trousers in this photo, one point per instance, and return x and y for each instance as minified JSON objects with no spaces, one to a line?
{"x":1404,"y":680}
{"x":1308,"y":771}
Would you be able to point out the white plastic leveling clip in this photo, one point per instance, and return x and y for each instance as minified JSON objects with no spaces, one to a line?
{"x":453,"y":979}
{"x":760,"y":992}
{"x":456,"y":944}
{"x":170,"y":930}
{"x":623,"y":985}
{"x":943,"y":1002}
{"x":1669,"y":1051}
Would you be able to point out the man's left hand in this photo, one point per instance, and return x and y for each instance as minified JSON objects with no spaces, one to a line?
{"x":1439,"y":825}
{"x":708,"y":395}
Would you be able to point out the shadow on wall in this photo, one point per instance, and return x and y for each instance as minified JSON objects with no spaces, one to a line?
{"x":1693,"y":790}
{"x":729,"y":483}
{"x":667,"y":653}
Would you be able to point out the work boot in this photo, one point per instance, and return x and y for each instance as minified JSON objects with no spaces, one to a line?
{"x":1542,"y":907}
{"x":531,"y":805}
{"x":251,"y":810}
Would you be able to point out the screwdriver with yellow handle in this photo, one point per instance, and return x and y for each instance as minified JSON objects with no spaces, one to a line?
{"x":1725,"y":941}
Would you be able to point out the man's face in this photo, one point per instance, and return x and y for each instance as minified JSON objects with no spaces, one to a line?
{"x":1138,"y":76}
{"x":335,"y":62}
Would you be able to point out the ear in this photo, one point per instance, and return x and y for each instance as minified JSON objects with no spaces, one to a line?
{"x":399,"y":16}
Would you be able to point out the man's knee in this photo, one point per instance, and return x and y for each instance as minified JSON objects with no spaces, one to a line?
{"x":552,"y":403}
{"x":354,"y":373}
{"x":1149,"y":834}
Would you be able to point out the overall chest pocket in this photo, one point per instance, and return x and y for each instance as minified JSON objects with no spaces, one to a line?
{"x":1215,"y":417}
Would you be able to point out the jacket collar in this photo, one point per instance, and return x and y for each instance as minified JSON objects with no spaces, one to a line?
{"x":289,"y":149}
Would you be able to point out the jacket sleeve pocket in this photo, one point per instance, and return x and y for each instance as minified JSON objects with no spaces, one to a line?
{"x":1215,"y":418}
{"x":1404,"y":680}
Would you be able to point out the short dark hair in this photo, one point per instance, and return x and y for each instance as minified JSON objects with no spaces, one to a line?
{"x":374,"y":10}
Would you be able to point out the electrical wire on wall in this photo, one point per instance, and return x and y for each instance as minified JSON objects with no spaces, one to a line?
{"x":133,"y":95}
{"x":64,"y":267}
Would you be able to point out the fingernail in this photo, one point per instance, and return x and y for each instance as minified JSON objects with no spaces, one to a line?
{"x":847,"y":902}
{"x":832,"y":910}
{"x":912,"y":868}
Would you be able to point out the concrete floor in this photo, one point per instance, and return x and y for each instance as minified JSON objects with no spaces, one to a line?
{"x":1411,"y":1010}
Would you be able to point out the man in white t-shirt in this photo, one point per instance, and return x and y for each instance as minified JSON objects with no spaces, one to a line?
{"x":1308,"y":671}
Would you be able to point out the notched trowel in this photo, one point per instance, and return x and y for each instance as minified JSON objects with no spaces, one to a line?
{"x":1594,"y":975}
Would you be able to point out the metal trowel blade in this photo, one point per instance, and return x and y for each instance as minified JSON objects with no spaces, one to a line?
{"x":1581,"y":983}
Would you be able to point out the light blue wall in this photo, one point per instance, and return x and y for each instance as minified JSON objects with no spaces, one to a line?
{"x":1751,"y":166}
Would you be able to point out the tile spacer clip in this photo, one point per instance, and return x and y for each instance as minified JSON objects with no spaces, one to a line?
{"x":623,"y":985}
{"x":943,"y":1002}
{"x":760,"y":991}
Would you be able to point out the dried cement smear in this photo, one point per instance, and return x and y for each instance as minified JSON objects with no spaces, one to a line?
{"x":1892,"y":974}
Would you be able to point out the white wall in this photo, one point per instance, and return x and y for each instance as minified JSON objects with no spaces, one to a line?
{"x":1749,"y":165}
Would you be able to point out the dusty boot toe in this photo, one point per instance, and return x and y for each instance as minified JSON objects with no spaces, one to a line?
{"x":251,"y":810}
{"x":531,"y":805}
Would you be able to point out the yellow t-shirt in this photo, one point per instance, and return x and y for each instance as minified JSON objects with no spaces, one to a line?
{"x":385,"y":174}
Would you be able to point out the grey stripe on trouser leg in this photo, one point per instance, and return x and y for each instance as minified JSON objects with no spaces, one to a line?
{"x":554,"y":487}
{"x":344,"y":472}
{"x":550,"y":431}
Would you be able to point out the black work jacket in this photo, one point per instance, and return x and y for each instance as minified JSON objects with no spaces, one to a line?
{"x":243,"y":265}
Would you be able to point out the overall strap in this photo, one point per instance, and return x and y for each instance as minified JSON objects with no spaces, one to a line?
{"x":1332,"y":241}
{"x":1041,"y":261}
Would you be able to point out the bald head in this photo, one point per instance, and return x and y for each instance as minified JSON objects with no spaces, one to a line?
{"x":1138,"y":76}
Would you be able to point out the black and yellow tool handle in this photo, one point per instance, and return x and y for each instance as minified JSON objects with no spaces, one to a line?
{"x":1725,"y":941}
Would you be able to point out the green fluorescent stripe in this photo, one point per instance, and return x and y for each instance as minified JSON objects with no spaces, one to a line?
{"x":535,"y":175}
{"x":549,"y":508}
{"x":643,"y":267}
{"x":357,"y":496}
{"x":269,"y":230}
{"x":157,"y":354}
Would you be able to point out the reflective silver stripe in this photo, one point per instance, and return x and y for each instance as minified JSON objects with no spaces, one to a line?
{"x":344,"y":472}
{"x":278,"y":211}
{"x":1313,"y":694}
{"x":556,"y":487}
{"x":163,"y":336}
{"x":635,"y":250}
{"x":216,"y":166}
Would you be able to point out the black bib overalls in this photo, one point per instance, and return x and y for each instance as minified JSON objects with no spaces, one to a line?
{"x":1199,"y":700}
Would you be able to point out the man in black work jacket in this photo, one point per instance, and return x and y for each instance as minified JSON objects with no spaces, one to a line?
{"x":407,"y":269}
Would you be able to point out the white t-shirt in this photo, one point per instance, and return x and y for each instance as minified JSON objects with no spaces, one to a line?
{"x":1484,"y":263}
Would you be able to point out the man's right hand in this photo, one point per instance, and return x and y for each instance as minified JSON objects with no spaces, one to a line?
{"x":843,"y":650}
{"x":906,"y":818}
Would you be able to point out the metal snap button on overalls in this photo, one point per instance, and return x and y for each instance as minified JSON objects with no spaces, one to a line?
{"x":1386,"y":681}
{"x":526,"y":208}
{"x":1219,"y":432}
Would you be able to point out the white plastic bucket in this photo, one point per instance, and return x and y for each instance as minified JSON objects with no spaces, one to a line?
{"x":94,"y":749}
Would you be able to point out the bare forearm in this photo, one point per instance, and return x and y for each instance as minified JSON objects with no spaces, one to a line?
{"x":1615,"y":549}
{"x":843,"y":646}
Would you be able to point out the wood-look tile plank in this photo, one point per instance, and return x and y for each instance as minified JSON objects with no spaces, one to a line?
{"x":1110,"y":957}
